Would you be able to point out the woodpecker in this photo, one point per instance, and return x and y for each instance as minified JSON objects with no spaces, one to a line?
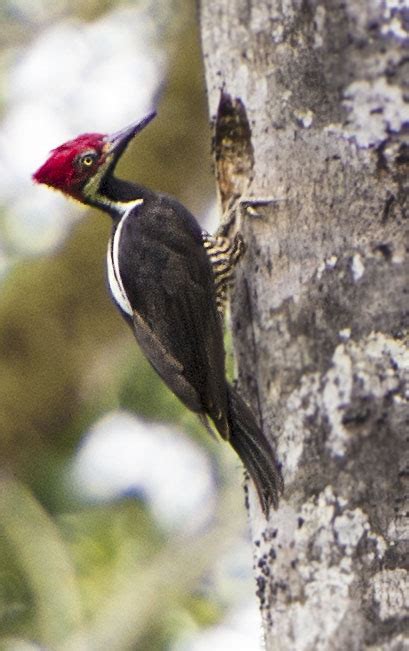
{"x":168,"y":279}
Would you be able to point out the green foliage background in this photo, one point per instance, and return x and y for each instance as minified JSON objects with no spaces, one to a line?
{"x":73,"y":575}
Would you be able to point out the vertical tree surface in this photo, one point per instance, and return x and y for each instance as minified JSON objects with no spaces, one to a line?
{"x":310,"y":104}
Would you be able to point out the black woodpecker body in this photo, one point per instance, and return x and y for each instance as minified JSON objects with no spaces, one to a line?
{"x":168,"y":280}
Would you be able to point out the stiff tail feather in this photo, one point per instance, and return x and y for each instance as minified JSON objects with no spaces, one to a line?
{"x":255,"y":451}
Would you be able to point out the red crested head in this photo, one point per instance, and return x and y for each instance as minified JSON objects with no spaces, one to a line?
{"x":79,"y":166}
{"x":72,"y":164}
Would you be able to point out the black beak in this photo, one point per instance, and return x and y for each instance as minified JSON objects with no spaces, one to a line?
{"x":118,"y":141}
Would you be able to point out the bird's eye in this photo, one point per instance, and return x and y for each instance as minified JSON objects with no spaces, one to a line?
{"x":88,"y":160}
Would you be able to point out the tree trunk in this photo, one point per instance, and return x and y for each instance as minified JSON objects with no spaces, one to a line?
{"x":310,"y":106}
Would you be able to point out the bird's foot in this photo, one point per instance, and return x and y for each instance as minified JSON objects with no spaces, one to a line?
{"x":258,"y":206}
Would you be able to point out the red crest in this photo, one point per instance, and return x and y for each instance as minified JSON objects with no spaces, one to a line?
{"x":63,"y":171}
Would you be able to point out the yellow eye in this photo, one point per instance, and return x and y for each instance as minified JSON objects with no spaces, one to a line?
{"x":88,"y":160}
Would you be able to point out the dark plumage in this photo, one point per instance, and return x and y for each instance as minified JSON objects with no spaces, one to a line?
{"x":162,"y":281}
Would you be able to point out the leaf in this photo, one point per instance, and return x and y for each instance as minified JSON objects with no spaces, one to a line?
{"x":43,"y":559}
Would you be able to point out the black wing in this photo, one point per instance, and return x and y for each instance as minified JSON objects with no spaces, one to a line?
{"x":168,"y":279}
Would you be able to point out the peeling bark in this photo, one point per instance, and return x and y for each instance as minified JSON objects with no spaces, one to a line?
{"x":310,"y":105}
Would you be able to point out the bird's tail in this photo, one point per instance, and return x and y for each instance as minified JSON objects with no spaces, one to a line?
{"x":255,"y":451}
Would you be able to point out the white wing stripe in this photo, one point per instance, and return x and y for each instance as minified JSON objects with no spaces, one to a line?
{"x":114,"y":276}
{"x":119,"y":298}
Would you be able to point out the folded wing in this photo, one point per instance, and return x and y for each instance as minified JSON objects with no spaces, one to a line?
{"x":168,"y":278}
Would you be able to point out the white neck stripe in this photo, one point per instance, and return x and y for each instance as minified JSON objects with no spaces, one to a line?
{"x":121,"y":207}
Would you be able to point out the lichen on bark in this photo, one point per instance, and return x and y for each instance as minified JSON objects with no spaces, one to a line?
{"x":319,"y":307}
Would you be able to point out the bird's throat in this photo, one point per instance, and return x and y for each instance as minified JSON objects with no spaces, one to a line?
{"x":114,"y":196}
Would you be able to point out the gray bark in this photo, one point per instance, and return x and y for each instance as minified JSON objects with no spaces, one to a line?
{"x":310,"y":107}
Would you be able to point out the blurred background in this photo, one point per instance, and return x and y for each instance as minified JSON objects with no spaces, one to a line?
{"x":122,"y":523}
